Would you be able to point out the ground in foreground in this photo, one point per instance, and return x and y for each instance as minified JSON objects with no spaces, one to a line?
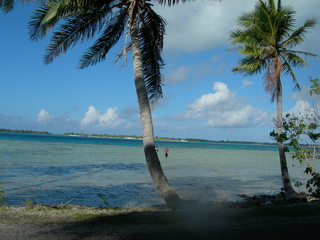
{"x":228,"y":221}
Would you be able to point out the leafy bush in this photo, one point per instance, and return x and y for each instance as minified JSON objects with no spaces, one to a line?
{"x":302,"y":142}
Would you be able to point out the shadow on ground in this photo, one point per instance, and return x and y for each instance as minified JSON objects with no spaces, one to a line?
{"x":276,"y":222}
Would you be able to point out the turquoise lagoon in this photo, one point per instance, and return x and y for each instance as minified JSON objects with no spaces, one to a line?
{"x":54,"y":169}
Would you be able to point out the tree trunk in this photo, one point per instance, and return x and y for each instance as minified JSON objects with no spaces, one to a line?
{"x":170,"y":197}
{"x":290,"y":193}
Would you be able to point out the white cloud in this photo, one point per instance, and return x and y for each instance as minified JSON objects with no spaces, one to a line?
{"x":300,"y":108}
{"x":246,"y":83}
{"x":221,"y":94}
{"x":198,"y":26}
{"x":222,"y":109}
{"x":43,"y":116}
{"x":202,"y":25}
{"x":305,"y":103}
{"x":91,"y":116}
{"x":110,"y":118}
{"x":94,"y":118}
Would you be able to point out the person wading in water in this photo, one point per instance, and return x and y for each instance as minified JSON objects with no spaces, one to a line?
{"x":166,"y":150}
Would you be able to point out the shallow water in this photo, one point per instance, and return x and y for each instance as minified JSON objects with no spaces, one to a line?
{"x":99,"y":172}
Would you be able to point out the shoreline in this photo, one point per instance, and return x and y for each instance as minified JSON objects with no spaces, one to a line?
{"x":133,"y":137}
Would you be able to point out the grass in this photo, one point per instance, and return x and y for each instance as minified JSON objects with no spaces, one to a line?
{"x":156,"y":215}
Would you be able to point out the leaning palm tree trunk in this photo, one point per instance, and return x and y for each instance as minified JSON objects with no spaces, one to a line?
{"x":288,"y":189}
{"x":171,"y":198}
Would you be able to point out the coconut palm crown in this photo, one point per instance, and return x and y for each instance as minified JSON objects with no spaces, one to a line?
{"x":267,"y":38}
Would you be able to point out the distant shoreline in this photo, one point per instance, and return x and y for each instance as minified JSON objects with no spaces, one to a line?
{"x":133,"y":137}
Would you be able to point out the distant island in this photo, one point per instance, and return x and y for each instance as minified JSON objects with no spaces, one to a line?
{"x":132,"y":137}
{"x":23,"y":131}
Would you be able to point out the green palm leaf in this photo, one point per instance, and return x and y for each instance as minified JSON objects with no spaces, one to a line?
{"x":106,"y":41}
{"x":50,"y":12}
{"x":265,"y":34}
{"x":80,"y":27}
{"x":151,"y":42}
{"x":297,"y":36}
{"x":6,"y":5}
{"x":170,"y":2}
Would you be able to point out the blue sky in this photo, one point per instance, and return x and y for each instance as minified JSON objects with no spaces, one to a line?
{"x":202,"y":97}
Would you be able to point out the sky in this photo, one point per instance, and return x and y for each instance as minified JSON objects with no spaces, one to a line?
{"x":202,"y":97}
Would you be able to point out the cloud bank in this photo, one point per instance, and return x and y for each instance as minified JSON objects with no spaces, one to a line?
{"x":94,"y":118}
{"x":222,"y":108}
{"x":203,"y":25}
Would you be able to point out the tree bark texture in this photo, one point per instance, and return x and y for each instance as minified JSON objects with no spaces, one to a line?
{"x":170,"y":197}
{"x":289,"y":191}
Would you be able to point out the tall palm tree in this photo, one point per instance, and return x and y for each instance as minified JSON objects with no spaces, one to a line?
{"x":268,"y":41}
{"x":109,"y":20}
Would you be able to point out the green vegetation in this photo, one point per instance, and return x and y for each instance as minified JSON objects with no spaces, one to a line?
{"x":315,"y":87}
{"x":23,"y":131}
{"x":268,"y":41}
{"x":301,"y":133}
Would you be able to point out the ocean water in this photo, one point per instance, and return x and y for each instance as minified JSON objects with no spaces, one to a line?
{"x":53,"y":169}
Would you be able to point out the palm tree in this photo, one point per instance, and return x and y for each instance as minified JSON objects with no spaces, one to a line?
{"x":143,"y":30}
{"x":268,"y":41}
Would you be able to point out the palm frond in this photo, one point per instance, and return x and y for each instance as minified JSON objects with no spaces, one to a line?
{"x":293,"y":59}
{"x":307,"y":54}
{"x":284,"y":23}
{"x":297,"y":36}
{"x":106,"y":41}
{"x":251,"y":51}
{"x":6,"y":5}
{"x":50,"y":12}
{"x":250,"y":66}
{"x":239,"y":36}
{"x":171,"y":2}
{"x":247,"y":21}
{"x":80,"y":27}
{"x":287,"y":69}
{"x":45,"y":18}
{"x":151,"y":35}
{"x":264,"y":14}
{"x":266,"y":34}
